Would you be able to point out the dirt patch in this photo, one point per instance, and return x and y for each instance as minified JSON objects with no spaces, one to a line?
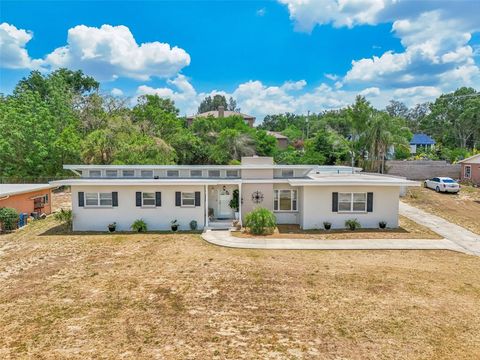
{"x":408,"y":229}
{"x":175,"y":296}
{"x":61,"y":199}
{"x":462,"y":209}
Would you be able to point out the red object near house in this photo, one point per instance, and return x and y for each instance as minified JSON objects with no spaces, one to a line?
{"x":471,"y":169}
{"x":27,"y":198}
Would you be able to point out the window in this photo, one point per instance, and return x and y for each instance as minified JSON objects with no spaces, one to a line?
{"x":172,"y":173}
{"x":213,"y":173}
{"x":98,"y":199}
{"x":232,"y":173}
{"x":285,"y":200}
{"x":146,"y":173}
{"x":188,"y":199}
{"x":467,"y":172}
{"x":352,"y":202}
{"x":128,"y":173}
{"x":148,"y":199}
{"x":196,"y":173}
{"x":45,"y":199}
{"x":287,"y":173}
{"x":111,"y":173}
{"x":95,"y":173}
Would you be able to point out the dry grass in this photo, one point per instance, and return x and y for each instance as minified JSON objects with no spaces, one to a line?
{"x":408,"y":230}
{"x":462,"y":209}
{"x":147,"y":296}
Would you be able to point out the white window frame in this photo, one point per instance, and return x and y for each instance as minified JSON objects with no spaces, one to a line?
{"x":201,"y":173}
{"x":113,"y":171}
{"x":287,"y":176}
{"x":146,"y":173}
{"x":169,"y":173}
{"x":293,"y":200}
{"x":154,"y":199}
{"x":351,"y":202}
{"x":99,"y":199}
{"x":183,"y":193}
{"x":469,"y":167}
{"x":235,"y":172}
{"x":129,"y":176}
{"x":219,"y":173}
{"x":95,"y":171}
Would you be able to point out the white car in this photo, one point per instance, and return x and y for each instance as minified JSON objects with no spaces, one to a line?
{"x":442,"y":184}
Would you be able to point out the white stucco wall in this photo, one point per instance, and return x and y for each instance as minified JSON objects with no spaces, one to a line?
{"x":157,"y":218}
{"x":247,"y":203}
{"x":317,"y":207}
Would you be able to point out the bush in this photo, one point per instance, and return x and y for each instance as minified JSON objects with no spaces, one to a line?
{"x":139,"y":226}
{"x":261,"y":221}
{"x":8,"y":219}
{"x":193,"y":225}
{"x":352,"y":224}
{"x":64,"y":216}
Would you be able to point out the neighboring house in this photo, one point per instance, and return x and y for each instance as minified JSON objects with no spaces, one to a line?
{"x":220,"y":113}
{"x":471,"y":169}
{"x":306,"y":195}
{"x":27,"y":198}
{"x":421,"y":142}
{"x":282,"y":140}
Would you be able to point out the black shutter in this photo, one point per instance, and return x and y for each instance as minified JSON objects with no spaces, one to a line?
{"x":158,"y":198}
{"x":197,"y":198}
{"x":114,"y":198}
{"x":370,"y":202}
{"x":138,"y":198}
{"x":178,"y":198}
{"x":335,"y":202}
{"x":81,"y":199}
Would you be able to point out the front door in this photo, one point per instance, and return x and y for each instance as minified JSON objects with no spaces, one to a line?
{"x":224,"y":211}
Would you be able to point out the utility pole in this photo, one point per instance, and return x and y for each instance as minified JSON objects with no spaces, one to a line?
{"x":308,"y":121}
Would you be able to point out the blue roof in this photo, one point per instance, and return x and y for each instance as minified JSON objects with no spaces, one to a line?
{"x":422,"y":139}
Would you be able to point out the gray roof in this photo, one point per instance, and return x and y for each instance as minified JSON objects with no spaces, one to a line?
{"x":276,"y":134}
{"x":226,"y":113}
{"x":14,"y":189}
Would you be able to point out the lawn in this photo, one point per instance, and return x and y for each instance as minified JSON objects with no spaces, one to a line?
{"x":462,"y":209}
{"x":407,"y":229}
{"x":163,"y":296}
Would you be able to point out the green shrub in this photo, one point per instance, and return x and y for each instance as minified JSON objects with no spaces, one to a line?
{"x":193,"y":225}
{"x":139,"y":226}
{"x":352,"y":224}
{"x":261,"y":221}
{"x":8,"y":219}
{"x":64,"y":216}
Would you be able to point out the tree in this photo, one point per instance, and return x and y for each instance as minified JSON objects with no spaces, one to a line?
{"x":232,"y":145}
{"x":265,"y":145}
{"x":397,"y":109}
{"x":232,"y":105}
{"x":210,"y":104}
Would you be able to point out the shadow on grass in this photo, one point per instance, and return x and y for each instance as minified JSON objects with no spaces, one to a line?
{"x":64,"y":230}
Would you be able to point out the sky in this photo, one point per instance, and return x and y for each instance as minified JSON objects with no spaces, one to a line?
{"x":271,"y":56}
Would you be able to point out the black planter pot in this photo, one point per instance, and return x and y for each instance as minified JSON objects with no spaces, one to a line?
{"x":112,"y":228}
{"x":327,"y":226}
{"x":174,"y":228}
{"x":382,"y":225}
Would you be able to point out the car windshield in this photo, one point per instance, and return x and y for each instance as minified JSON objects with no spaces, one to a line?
{"x":449,"y":181}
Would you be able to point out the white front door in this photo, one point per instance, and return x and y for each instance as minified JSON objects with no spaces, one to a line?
{"x":224,"y":210}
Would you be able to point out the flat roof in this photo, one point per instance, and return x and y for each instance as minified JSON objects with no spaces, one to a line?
{"x":359,"y":179}
{"x":187,"y":167}
{"x":15,"y":189}
{"x":136,"y":182}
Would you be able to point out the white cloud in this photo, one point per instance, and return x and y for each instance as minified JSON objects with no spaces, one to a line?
{"x":261,"y":12}
{"x":332,"y":77}
{"x":13,"y":52}
{"x":110,"y":52}
{"x":116,"y":92}
{"x":294,"y":85}
{"x":371,"y":91}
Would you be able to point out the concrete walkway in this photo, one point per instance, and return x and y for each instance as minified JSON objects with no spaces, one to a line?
{"x":225,"y":238}
{"x":463,"y":238}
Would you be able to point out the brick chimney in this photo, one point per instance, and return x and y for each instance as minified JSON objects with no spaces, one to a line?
{"x":221,"y":111}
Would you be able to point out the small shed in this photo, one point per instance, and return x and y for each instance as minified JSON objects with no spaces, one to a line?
{"x":471,"y":169}
{"x":421,"y":142}
{"x":27,"y":198}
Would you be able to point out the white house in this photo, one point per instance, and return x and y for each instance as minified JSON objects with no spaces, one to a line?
{"x":306,"y":195}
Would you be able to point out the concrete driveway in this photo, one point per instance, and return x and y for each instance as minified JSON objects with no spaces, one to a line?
{"x":463,"y":238}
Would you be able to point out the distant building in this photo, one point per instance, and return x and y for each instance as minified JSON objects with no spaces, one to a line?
{"x":421,"y":142}
{"x":27,"y":198}
{"x":471,"y":169}
{"x":282,"y":140}
{"x":220,"y":113}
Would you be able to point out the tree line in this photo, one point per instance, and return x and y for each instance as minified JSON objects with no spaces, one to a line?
{"x":63,"y":118}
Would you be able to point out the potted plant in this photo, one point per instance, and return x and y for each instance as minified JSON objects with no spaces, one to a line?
{"x":352,"y":224}
{"x":193,"y":225}
{"x":382,"y":224}
{"x":234,"y":203}
{"x":174,"y":225}
{"x":139,"y":226}
{"x":327,"y":225}
{"x":112,"y":227}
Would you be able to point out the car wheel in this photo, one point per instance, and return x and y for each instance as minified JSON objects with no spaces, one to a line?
{"x":437,"y":189}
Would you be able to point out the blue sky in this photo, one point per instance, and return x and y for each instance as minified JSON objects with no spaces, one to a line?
{"x":271,"y":56}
